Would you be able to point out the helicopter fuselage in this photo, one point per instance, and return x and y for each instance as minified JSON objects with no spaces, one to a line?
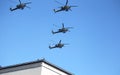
{"x":21,"y":6}
{"x":59,"y":45}
{"x":66,"y":8}
{"x":63,"y":30}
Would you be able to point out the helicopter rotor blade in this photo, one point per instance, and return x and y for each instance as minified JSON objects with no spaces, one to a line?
{"x":60,"y":7}
{"x":73,"y":6}
{"x":28,"y":7}
{"x":66,"y":2}
{"x":28,"y":3}
{"x":66,"y":44}
{"x":56,"y":26}
{"x":69,"y":27}
{"x":62,"y":25}
{"x":59,"y":41}
{"x":59,"y":2}
{"x":70,"y":9}
{"x":20,"y":1}
{"x":68,"y":30}
{"x":12,"y":1}
{"x":53,"y":42}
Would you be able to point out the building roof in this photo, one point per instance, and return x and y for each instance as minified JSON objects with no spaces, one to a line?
{"x":34,"y":62}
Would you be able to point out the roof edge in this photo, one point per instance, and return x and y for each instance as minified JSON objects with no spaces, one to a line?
{"x":37,"y":61}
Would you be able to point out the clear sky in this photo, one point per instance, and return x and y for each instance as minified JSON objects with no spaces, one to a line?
{"x":94,"y":43}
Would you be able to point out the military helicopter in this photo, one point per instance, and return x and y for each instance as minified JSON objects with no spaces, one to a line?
{"x":64,"y":8}
{"x":20,"y":6}
{"x":62,"y":30}
{"x":59,"y":45}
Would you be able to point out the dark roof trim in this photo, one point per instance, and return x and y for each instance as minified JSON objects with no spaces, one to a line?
{"x":38,"y":61}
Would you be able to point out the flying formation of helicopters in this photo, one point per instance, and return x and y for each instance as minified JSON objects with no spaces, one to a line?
{"x":62,"y":30}
{"x":58,"y":45}
{"x":20,"y":6}
{"x":65,"y":7}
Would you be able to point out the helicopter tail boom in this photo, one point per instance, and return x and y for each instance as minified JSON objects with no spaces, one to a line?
{"x":54,"y":32}
{"x":51,"y":47}
{"x":12,"y":9}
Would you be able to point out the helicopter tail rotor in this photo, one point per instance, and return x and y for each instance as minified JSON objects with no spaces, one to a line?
{"x":54,"y":10}
{"x":11,"y":9}
{"x":53,"y":32}
{"x":50,"y":47}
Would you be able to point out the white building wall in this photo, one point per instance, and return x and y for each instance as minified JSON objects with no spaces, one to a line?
{"x":48,"y":70}
{"x":32,"y":71}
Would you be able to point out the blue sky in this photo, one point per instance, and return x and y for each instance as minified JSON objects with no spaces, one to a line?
{"x":94,"y":43}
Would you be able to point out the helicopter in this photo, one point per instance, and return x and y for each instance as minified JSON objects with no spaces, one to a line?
{"x":65,"y":7}
{"x":20,"y":6}
{"x":62,"y":30}
{"x":59,"y":45}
